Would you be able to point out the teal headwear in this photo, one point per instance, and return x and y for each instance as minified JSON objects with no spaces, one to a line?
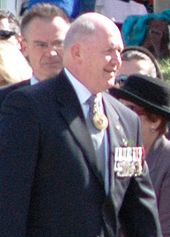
{"x":134,"y":27}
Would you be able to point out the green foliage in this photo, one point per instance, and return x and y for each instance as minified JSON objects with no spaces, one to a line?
{"x":165,"y":68}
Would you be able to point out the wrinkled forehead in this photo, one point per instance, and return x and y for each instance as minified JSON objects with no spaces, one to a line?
{"x":117,"y":42}
{"x":55,"y":23}
{"x":47,"y":29}
{"x":112,"y":36}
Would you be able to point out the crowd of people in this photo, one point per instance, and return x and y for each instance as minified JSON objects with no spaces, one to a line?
{"x":84,"y":126}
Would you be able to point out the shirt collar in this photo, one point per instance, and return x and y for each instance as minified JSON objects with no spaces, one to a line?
{"x":34,"y":80}
{"x":82,"y":92}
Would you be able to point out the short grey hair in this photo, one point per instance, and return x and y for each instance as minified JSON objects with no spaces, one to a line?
{"x":42,"y":11}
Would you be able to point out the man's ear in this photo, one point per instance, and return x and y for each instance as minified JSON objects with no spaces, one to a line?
{"x":19,"y":40}
{"x":23,"y":44}
{"x":76,"y":52}
{"x":155,"y":124}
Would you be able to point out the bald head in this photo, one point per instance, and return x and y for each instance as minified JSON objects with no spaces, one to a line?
{"x":88,"y":25}
{"x":92,"y":51}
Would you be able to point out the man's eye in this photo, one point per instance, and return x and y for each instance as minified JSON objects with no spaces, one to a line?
{"x":109,"y":50}
{"x":58,"y":44}
{"x":42,"y":45}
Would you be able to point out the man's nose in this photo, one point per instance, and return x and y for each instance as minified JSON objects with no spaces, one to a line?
{"x":52,"y":51}
{"x":116,"y":58}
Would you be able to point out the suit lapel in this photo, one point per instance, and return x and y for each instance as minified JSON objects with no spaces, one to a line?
{"x":72,"y":113}
{"x":116,"y":132}
{"x":116,"y":136}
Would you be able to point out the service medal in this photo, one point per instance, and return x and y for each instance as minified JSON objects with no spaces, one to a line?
{"x":100,"y":121}
{"x":129,"y":161}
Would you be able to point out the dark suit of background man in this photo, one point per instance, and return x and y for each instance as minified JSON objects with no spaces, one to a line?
{"x":50,"y":183}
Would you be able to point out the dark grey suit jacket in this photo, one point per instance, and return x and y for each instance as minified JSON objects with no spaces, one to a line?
{"x":159,"y":165}
{"x":50,"y":184}
{"x":4,"y":91}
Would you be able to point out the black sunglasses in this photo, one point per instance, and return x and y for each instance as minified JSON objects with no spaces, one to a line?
{"x":5,"y":34}
{"x":120,"y":79}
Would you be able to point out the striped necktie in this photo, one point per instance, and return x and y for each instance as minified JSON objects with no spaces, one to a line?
{"x":97,"y":131}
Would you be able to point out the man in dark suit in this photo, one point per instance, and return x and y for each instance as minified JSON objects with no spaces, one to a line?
{"x":43,"y":30}
{"x":49,"y":168}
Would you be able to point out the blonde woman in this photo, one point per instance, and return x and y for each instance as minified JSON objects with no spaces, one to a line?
{"x":13,"y":65}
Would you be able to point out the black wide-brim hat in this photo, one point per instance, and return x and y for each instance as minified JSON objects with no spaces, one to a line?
{"x":5,"y":34}
{"x":151,"y":93}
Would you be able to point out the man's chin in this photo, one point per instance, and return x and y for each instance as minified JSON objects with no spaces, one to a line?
{"x":55,"y":73}
{"x":111,"y":82}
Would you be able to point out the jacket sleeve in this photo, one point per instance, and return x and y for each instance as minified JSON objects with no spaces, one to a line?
{"x":164,"y":205}
{"x":19,"y":138}
{"x":139,"y":213}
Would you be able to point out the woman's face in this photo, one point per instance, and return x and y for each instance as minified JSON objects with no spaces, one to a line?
{"x":148,"y":127}
{"x":134,"y":66}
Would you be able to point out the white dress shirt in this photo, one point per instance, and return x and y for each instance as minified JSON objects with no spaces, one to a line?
{"x":34,"y":80}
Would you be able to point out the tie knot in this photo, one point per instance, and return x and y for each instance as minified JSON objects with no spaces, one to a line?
{"x":94,"y":102}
